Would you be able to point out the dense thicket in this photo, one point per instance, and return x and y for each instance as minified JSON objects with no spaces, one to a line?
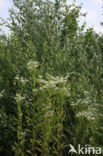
{"x":51,"y":81}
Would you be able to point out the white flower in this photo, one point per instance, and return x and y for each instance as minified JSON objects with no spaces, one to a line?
{"x":35,"y":90}
{"x":19,"y":98}
{"x":42,"y":81}
{"x":40,"y":77}
{"x":57,"y":79}
{"x":3,"y":91}
{"x":21,"y":79}
{"x":87,"y":114}
{"x":32,"y":65}
{"x":52,"y":82}
{"x":49,"y":114}
{"x":1,"y":95}
{"x":17,"y":77}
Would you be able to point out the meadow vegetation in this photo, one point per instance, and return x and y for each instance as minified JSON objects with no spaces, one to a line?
{"x":51,"y":80}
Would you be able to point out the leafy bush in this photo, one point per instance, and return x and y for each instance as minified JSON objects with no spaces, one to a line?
{"x":50,"y":80}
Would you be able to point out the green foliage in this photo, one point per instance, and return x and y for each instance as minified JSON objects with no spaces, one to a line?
{"x":51,"y":85}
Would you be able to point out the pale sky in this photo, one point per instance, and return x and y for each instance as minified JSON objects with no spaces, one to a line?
{"x":92,"y":7}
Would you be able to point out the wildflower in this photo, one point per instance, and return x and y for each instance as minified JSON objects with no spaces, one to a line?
{"x":19,"y":98}
{"x":57,"y":79}
{"x":21,"y":79}
{"x":42,"y":81}
{"x":40,"y":76}
{"x":49,"y":114}
{"x":32,"y":65}
{"x":35,"y":90}
{"x":87,"y":114}
{"x":17,"y":77}
{"x":3,"y":91}
{"x":1,"y":95}
{"x":52,"y":82}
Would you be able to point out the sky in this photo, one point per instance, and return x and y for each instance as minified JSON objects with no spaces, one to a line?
{"x":92,"y":7}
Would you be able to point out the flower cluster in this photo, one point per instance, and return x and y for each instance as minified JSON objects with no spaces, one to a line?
{"x":49,"y":114}
{"x":57,"y":83}
{"x":52,"y":81}
{"x":22,"y":80}
{"x":19,"y":98}
{"x":1,"y":93}
{"x":89,"y":114}
{"x":31,"y":65}
{"x":86,"y":101}
{"x":57,"y":79}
